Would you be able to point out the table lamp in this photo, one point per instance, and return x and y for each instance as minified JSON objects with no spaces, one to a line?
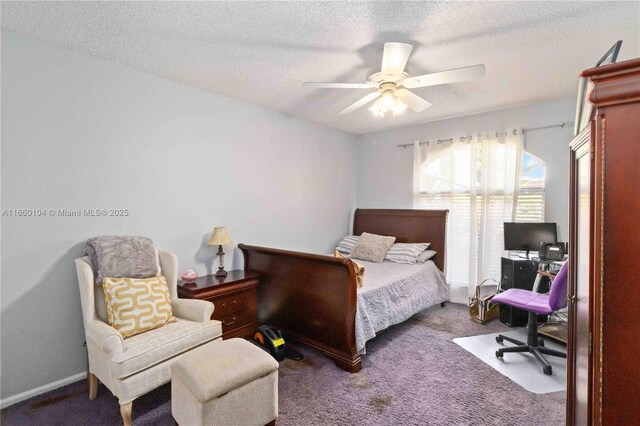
{"x":219,"y":236}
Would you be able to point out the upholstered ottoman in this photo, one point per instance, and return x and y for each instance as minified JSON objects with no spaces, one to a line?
{"x":230,"y":382}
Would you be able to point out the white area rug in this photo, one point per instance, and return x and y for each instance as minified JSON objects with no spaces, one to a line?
{"x":522,"y":368}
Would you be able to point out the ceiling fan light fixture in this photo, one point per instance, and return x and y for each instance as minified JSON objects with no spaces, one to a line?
{"x":399,"y":107}
{"x":388,"y":99}
{"x":377,"y":108}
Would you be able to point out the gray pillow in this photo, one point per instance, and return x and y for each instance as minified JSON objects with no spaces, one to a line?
{"x":122,"y":256}
{"x":372,"y":247}
{"x":426,"y":255}
{"x":347,"y":244}
{"x":405,"y":252}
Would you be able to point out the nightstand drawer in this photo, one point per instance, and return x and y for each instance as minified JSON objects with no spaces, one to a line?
{"x":236,"y":320}
{"x":228,"y":305}
{"x":234,"y":296}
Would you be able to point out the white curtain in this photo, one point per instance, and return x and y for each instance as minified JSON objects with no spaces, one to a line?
{"x":477,"y":181}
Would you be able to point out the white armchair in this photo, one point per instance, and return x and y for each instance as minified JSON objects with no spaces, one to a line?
{"x":134,"y":366}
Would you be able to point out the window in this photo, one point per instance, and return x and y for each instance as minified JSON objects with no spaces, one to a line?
{"x":482,"y":185}
{"x":529,"y":207}
{"x":530,"y":201}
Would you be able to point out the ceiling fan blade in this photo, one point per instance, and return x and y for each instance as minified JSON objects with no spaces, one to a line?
{"x":360,"y":103}
{"x":395,"y":58}
{"x":413,"y":101}
{"x":445,"y":77}
{"x":323,"y":85}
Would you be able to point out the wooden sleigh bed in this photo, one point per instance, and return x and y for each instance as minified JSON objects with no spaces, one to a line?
{"x":313,"y":297}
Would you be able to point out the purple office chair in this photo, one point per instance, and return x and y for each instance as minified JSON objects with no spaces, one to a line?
{"x":536,"y":304}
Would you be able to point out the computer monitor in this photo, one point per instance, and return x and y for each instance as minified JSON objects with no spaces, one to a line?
{"x":528,"y":236}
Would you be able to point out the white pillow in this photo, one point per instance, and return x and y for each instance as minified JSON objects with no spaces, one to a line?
{"x":347,"y":244}
{"x":406,"y":252}
{"x":426,"y":255}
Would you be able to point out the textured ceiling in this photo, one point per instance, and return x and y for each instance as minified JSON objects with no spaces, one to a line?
{"x":262,"y":52}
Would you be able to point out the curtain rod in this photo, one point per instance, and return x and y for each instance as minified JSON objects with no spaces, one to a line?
{"x":465,"y":138}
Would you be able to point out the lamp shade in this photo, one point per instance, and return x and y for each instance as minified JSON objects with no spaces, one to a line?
{"x":219,"y":237}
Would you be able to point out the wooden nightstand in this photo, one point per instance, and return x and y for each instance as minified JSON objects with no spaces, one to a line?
{"x":234,"y":297}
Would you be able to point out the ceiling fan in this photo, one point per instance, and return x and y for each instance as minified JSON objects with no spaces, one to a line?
{"x":392,"y":82}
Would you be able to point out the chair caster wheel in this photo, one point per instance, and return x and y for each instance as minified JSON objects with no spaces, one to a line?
{"x":499,"y":339}
{"x":540,"y":342}
{"x":547,"y":370}
{"x":500,"y":355}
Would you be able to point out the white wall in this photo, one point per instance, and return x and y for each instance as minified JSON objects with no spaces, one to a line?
{"x":78,"y":132}
{"x":385,"y":172}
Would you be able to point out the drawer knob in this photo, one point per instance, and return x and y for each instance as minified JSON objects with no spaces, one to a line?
{"x":226,"y":324}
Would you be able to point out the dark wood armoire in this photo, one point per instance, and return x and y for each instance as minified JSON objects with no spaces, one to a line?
{"x":603,"y":377}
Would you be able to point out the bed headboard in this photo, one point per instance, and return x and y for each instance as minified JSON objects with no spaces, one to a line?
{"x":408,"y":226}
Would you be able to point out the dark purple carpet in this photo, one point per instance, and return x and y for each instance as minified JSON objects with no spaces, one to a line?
{"x":413,"y":374}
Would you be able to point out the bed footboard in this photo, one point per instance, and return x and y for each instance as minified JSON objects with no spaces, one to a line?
{"x":311,"y":297}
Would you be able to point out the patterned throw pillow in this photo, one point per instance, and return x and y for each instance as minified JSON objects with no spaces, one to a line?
{"x":358,"y":269}
{"x":405,"y":252}
{"x":136,"y":305}
{"x":372,"y":247}
{"x":122,"y":256}
{"x":347,"y":244}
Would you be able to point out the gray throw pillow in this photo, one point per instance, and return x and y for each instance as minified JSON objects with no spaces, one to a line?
{"x":372,"y":247}
{"x":122,"y":256}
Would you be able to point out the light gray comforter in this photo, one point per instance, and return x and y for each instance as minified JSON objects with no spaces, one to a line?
{"x":392,"y":293}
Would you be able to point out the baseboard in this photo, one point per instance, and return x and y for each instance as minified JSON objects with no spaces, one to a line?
{"x":4,"y":403}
